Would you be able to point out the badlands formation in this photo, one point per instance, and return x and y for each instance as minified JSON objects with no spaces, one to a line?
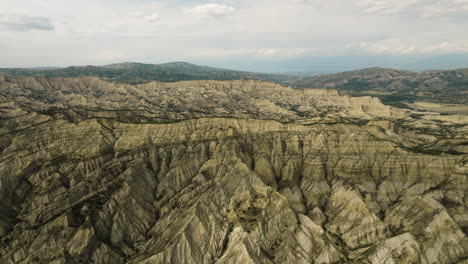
{"x":243,"y":171}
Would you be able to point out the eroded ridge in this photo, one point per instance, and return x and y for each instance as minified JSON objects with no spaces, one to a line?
{"x":243,"y":171}
{"x":214,"y":190}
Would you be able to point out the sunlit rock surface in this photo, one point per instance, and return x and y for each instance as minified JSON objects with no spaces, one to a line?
{"x":224,"y":172}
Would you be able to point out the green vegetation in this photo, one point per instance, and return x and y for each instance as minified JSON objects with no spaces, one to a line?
{"x":136,"y":73}
{"x":395,"y":87}
{"x":398,"y":105}
{"x":397,"y":100}
{"x":434,"y":152}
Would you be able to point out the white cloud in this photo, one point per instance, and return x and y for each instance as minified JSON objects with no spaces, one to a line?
{"x":107,"y":56}
{"x":388,"y":46}
{"x":210,"y":11}
{"x":421,"y":8}
{"x":261,"y":53}
{"x":26,"y":22}
{"x":388,"y":6}
{"x":268,"y":52}
{"x":152,"y":18}
{"x":133,"y":21}
{"x":252,"y":30}
{"x":444,"y":45}
{"x":396,"y":46}
{"x":279,"y":52}
{"x":424,"y":8}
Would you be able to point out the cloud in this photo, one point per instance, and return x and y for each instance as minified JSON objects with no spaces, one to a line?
{"x":388,"y":46}
{"x":260,"y":53}
{"x":396,"y":46}
{"x":438,"y":47}
{"x":152,"y":18}
{"x":446,"y":47}
{"x":26,"y":23}
{"x":133,"y":21}
{"x":424,"y":8}
{"x":210,"y":11}
{"x":107,"y":56}
{"x":420,"y":8}
{"x":258,"y":30}
{"x":279,"y":52}
{"x":388,"y":6}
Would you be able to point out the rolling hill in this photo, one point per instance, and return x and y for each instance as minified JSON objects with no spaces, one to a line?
{"x":134,"y":73}
{"x":396,"y":86}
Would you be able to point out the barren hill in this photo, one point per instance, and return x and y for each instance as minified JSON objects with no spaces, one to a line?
{"x":241,"y":171}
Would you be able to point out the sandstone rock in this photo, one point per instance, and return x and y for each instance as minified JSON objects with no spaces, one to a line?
{"x":114,"y":179}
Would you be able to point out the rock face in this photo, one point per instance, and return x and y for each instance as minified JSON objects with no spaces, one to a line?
{"x":224,"y":172}
{"x":87,"y":97}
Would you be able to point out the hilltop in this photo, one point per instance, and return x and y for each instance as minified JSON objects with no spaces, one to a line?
{"x":132,"y":72}
{"x":396,"y":86}
{"x":399,"y":88}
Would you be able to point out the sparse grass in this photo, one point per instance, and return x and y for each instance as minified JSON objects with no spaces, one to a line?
{"x":433,"y":152}
{"x":398,"y":105}
{"x":441,"y":108}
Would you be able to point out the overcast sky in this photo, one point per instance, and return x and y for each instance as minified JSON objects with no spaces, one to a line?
{"x":65,"y":32}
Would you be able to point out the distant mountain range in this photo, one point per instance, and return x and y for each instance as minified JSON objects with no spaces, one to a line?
{"x":334,"y":64}
{"x":134,"y":73}
{"x":393,"y":87}
{"x":396,"y":86}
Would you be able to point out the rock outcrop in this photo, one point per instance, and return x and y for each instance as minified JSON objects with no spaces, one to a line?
{"x":224,"y":172}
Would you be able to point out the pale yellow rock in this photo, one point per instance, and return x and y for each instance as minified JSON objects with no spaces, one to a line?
{"x":81,"y":240}
{"x":224,"y":172}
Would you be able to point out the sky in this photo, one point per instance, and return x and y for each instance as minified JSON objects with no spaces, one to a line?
{"x":260,"y":35}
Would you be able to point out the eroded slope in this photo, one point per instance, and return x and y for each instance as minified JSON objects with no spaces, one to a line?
{"x":351,"y":183}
